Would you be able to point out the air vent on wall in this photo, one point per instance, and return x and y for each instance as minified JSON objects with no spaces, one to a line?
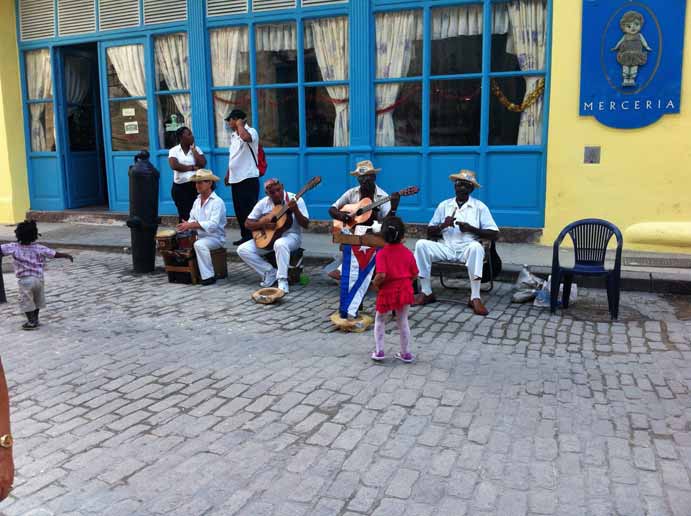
{"x":315,"y":3}
{"x":76,"y":17}
{"x":118,"y":14}
{"x":162,"y":11}
{"x":224,"y":7}
{"x":36,"y":19}
{"x":270,"y":5}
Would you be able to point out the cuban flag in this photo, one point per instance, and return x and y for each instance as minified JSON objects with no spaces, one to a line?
{"x":356,"y":275}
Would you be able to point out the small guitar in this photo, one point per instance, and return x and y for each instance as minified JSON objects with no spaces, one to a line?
{"x":361,"y":212}
{"x":265,"y":238}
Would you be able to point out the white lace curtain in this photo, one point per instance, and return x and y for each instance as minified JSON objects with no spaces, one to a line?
{"x":77,"y":80}
{"x":128,"y":62}
{"x":172,"y":64}
{"x":228,"y":61}
{"x":395,"y":34}
{"x":39,"y":83}
{"x":528,"y":22}
{"x":330,"y":39}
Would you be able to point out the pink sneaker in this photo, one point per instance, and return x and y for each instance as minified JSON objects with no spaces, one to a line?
{"x":405,"y":357}
{"x":378,"y":355}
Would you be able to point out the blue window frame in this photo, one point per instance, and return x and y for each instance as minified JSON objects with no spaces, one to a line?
{"x":512,"y":174}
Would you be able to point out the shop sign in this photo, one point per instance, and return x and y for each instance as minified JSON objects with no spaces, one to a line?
{"x":631,"y":60}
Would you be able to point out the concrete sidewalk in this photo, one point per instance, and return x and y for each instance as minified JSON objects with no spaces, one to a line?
{"x":648,"y":272}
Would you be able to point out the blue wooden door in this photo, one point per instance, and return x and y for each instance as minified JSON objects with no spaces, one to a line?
{"x":125,"y":114}
{"x":80,"y":128}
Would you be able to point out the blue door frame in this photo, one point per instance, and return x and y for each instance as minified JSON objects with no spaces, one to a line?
{"x":513,"y":177}
{"x":81,"y":169}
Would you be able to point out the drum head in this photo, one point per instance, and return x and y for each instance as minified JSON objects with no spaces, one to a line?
{"x":165,"y":233}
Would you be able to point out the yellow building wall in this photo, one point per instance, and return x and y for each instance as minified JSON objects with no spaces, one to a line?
{"x":14,"y":191}
{"x":644,"y":174}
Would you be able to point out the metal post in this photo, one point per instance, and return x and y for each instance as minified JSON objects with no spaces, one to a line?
{"x":3,"y":297}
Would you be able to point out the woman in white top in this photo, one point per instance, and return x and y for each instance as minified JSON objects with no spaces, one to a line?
{"x":185,"y":158}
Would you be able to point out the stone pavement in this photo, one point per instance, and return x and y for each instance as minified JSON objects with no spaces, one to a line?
{"x":140,"y":397}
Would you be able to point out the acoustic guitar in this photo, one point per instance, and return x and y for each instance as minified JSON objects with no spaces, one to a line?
{"x":361,"y":212}
{"x":265,"y":238}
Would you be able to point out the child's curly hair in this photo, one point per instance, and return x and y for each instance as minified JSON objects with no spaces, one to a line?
{"x":26,"y":232}
{"x":631,"y":16}
{"x":393,"y":230}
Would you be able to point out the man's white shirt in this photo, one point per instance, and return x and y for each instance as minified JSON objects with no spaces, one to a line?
{"x":265,"y":205}
{"x":474,"y":212}
{"x":240,"y":161}
{"x":352,"y":196}
{"x":211,"y":217}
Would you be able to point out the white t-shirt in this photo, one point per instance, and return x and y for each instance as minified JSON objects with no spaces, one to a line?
{"x":265,"y":205}
{"x":474,"y":212}
{"x":240,"y":161}
{"x":211,"y":217}
{"x":184,"y":159}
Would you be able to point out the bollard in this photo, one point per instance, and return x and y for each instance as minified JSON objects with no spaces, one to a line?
{"x":143,"y":220}
{"x":3,"y":297}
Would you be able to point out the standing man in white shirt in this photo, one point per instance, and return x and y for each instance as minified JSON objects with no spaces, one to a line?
{"x":242,"y":175}
{"x":208,"y":218}
{"x":461,"y":221}
{"x":288,"y":242}
{"x":185,"y":158}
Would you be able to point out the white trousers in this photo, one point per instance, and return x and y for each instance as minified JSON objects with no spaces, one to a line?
{"x":471,"y":254}
{"x":203,"y":248}
{"x":252,"y":255}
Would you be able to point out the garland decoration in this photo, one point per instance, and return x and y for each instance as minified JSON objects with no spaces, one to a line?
{"x":529,"y":100}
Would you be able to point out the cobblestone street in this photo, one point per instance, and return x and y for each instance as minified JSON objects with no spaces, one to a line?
{"x":140,"y":397}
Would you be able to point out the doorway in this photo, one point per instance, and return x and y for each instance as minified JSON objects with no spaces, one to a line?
{"x":79,"y":108}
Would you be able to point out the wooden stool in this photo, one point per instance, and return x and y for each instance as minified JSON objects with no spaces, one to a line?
{"x":181,"y":265}
{"x":294,"y":265}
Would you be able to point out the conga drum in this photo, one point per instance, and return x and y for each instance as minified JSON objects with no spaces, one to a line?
{"x":165,"y":239}
{"x":186,"y":239}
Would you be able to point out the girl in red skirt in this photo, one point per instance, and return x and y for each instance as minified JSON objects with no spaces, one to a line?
{"x":396,"y":270}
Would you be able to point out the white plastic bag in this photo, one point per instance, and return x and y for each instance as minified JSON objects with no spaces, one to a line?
{"x":542,"y":299}
{"x":528,"y":280}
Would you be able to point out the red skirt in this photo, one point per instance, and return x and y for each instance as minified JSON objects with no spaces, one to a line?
{"x":395,"y":294}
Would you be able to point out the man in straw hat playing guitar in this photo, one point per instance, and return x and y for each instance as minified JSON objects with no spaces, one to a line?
{"x":367,"y":178}
{"x":290,"y":240}
{"x":208,"y":218}
{"x":460,"y":221}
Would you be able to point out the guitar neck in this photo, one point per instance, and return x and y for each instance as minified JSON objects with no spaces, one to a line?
{"x":297,"y":197}
{"x":376,"y":204}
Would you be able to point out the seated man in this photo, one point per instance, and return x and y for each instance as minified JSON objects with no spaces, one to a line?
{"x":208,"y":217}
{"x":367,"y":178}
{"x":461,"y":221}
{"x":289,"y":241}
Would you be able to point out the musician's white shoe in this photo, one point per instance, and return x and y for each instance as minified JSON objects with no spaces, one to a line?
{"x":269,"y":279}
{"x":283,"y":285}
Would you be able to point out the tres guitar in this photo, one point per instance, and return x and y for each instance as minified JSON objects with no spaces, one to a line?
{"x":265,"y":238}
{"x":361,"y":212}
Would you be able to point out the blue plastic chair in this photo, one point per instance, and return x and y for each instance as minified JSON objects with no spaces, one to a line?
{"x":590,"y":239}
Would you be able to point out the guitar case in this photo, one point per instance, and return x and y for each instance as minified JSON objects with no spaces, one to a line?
{"x":496,"y":264}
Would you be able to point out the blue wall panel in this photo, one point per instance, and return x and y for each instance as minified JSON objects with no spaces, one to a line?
{"x":119,"y":190}
{"x":333,"y":169}
{"x":45,"y":182}
{"x":512,"y":188}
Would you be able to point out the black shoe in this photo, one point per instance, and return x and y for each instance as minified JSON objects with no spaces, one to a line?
{"x":209,"y":281}
{"x":30,"y":325}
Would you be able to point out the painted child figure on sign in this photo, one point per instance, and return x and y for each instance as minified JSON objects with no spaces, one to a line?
{"x":632,"y":47}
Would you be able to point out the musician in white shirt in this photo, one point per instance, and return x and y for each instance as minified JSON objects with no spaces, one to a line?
{"x":289,"y":241}
{"x":461,"y":221}
{"x":367,"y":178}
{"x":208,"y":218}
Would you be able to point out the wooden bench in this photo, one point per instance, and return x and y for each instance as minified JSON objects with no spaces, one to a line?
{"x":453,"y":270}
{"x":184,"y":262}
